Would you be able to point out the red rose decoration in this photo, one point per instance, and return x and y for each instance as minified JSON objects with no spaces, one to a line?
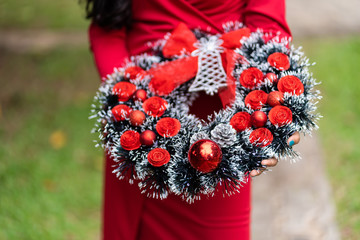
{"x":290,"y":84}
{"x":280,"y":115}
{"x":134,"y":72}
{"x":261,"y":137}
{"x":158,"y":157}
{"x":124,"y":90}
{"x":241,"y":121}
{"x":130,"y":140}
{"x":279,"y":61}
{"x":121,"y":112}
{"x":256,"y":99}
{"x":155,"y":106}
{"x":251,"y":77}
{"x":168,"y":127}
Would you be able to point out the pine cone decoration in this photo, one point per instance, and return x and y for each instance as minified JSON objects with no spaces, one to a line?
{"x":198,"y":136}
{"x":224,"y":135}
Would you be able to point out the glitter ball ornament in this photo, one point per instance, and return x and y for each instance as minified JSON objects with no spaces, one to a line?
{"x":147,"y":138}
{"x":140,"y":95}
{"x":275,"y":98}
{"x":137,"y":118}
{"x":258,"y":119}
{"x":205,"y":155}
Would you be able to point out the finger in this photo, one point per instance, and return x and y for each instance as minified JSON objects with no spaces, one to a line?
{"x":271,"y":162}
{"x":257,"y":172}
{"x":294,"y":139}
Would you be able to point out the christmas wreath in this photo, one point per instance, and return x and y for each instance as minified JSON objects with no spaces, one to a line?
{"x":143,"y":118}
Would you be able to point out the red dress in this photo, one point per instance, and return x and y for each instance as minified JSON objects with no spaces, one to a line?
{"x":127,"y":214}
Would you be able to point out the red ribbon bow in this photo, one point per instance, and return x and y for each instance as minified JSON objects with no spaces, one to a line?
{"x":166,"y":77}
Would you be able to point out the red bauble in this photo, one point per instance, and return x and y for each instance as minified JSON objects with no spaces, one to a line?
{"x":258,"y":119}
{"x":137,"y":118}
{"x":205,"y":155}
{"x":140,"y":95}
{"x":147,"y":138}
{"x":275,"y":98}
{"x":271,"y":77}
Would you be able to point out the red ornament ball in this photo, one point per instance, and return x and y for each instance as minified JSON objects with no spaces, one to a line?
{"x":275,"y":98}
{"x":258,"y":119}
{"x":137,"y":118}
{"x":140,"y":95}
{"x":147,"y":138}
{"x":205,"y":155}
{"x":271,"y":77}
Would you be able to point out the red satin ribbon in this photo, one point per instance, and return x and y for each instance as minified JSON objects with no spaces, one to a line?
{"x":167,"y":76}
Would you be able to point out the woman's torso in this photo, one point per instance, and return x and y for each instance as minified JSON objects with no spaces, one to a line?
{"x":152,"y":19}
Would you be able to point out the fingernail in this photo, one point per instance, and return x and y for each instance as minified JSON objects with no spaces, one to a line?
{"x":291,"y":143}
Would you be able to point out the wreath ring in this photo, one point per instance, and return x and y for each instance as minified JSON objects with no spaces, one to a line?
{"x":143,"y":118}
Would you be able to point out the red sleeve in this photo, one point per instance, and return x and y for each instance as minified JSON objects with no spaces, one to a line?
{"x":268,"y":15}
{"x":108,"y":47}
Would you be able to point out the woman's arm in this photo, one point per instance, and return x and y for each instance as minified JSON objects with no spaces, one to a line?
{"x":108,"y":47}
{"x":268,"y":15}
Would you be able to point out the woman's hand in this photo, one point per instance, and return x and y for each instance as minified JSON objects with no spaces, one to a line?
{"x":271,"y":162}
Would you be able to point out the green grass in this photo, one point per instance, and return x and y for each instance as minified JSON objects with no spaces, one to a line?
{"x":50,"y":172}
{"x":338,"y":69}
{"x":54,"y":14}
